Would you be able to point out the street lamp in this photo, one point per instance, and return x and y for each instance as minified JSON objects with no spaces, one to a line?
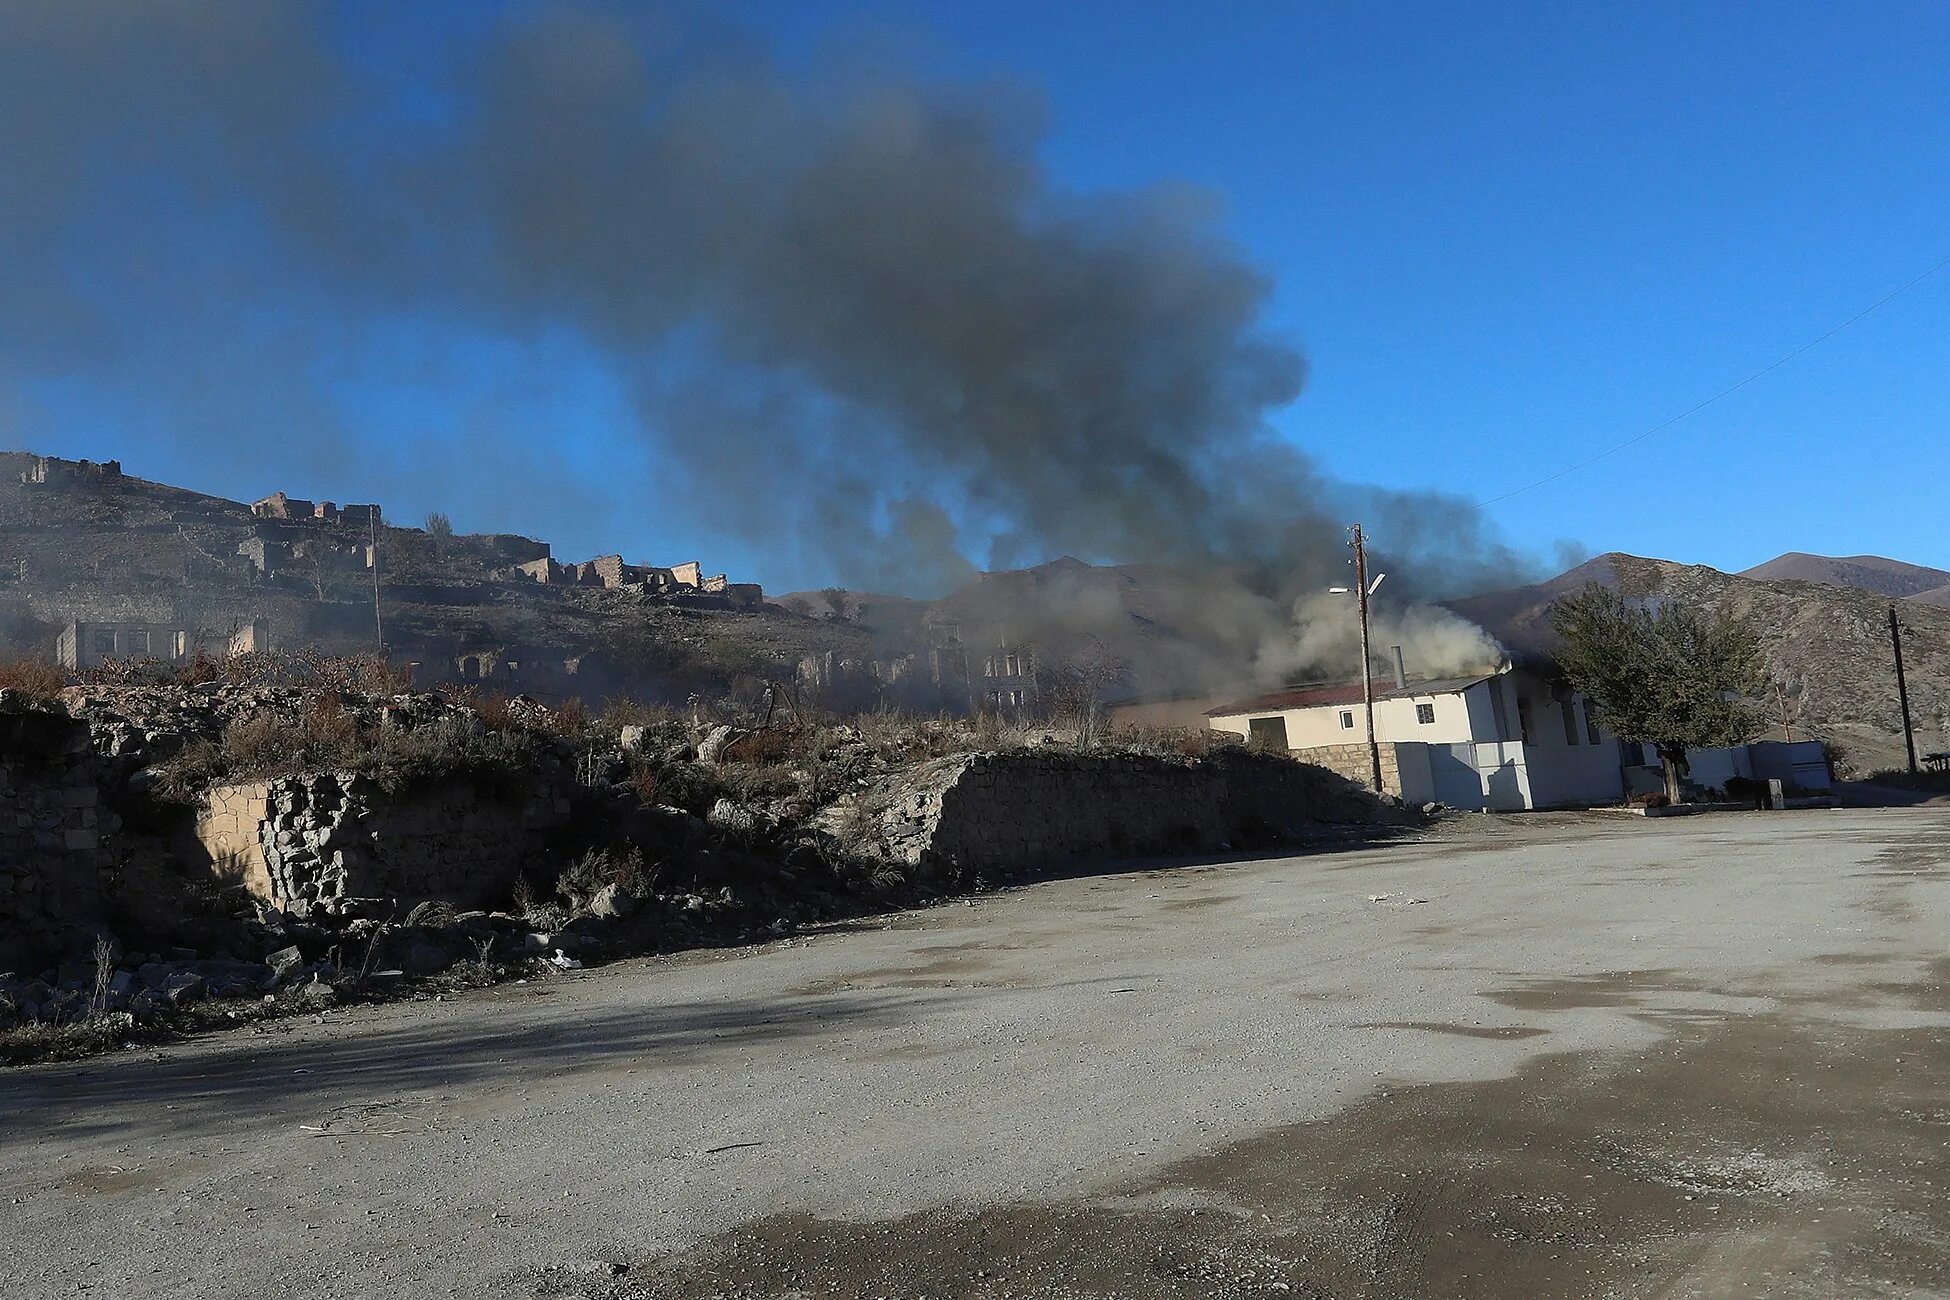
{"x":1364,"y":589}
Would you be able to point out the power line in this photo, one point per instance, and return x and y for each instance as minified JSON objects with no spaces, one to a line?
{"x":1728,"y":391}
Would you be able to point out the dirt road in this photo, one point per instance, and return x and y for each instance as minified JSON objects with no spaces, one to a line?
{"x":1522,"y":1058}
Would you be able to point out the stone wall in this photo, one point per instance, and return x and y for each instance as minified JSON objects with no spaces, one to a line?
{"x":995,"y":814}
{"x":305,"y":840}
{"x":50,"y":889}
{"x":1352,"y":762}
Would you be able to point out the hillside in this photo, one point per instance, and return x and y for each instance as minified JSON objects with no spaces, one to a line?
{"x":456,"y":607}
{"x":108,"y":549}
{"x":1831,"y":640}
{"x":1865,"y":572}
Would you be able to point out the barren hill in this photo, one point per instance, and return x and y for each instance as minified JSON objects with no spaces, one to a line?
{"x":1867,"y":572}
{"x":1830,"y":640}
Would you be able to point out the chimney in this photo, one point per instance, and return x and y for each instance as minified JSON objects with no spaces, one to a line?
{"x":1401,"y":669}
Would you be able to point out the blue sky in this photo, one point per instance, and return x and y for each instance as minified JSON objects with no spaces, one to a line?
{"x":1506,"y":237}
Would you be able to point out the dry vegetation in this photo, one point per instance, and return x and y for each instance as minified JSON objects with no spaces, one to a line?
{"x":37,"y":679}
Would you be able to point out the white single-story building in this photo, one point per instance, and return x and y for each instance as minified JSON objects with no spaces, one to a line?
{"x":1502,"y":740}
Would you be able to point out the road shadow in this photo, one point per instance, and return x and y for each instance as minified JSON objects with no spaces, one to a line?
{"x":219,"y":1087}
{"x":1868,"y":794}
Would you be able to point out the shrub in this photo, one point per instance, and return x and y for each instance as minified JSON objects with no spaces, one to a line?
{"x":625,"y":711}
{"x":1650,"y":799}
{"x":1180,"y":742}
{"x":770,"y":745}
{"x":260,"y":745}
{"x":753,"y":782}
{"x":571,"y":719}
{"x":325,"y":733}
{"x":597,"y":869}
{"x":38,"y":679}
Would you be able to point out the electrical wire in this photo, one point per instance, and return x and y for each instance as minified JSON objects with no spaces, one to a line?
{"x":1728,"y":391}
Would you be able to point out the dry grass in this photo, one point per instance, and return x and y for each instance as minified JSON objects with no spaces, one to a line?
{"x":38,"y":679}
{"x":327,"y":735}
{"x":624,"y":711}
{"x":598,"y":869}
{"x":1186,"y":742}
{"x":368,"y":675}
{"x":43,"y":1041}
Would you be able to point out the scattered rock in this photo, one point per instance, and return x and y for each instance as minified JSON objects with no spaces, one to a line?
{"x":612,"y":902}
{"x":738,"y":818}
{"x":184,"y":988}
{"x":712,"y":747}
{"x":285,"y":962}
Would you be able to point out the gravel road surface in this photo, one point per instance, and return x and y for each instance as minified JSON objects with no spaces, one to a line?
{"x":1521,"y":1057}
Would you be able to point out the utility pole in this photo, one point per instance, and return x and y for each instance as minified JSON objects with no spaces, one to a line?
{"x":1902,"y":688}
{"x":1367,"y":672}
{"x":372,"y":552}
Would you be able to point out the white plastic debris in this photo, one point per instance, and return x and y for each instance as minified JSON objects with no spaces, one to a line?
{"x":562,"y":961}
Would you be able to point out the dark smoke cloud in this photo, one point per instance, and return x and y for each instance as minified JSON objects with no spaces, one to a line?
{"x":852,"y":311}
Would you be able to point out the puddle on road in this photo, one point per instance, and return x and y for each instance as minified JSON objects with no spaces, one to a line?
{"x":1611,"y":989}
{"x":1505,"y":1032}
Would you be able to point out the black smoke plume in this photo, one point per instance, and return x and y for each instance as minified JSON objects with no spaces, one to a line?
{"x":851,"y":310}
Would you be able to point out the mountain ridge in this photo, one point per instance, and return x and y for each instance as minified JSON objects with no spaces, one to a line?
{"x":1876,"y":573}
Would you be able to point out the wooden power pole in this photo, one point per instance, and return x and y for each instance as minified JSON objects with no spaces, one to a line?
{"x":1367,"y":671}
{"x":1902,"y":688}
{"x":372,"y":535}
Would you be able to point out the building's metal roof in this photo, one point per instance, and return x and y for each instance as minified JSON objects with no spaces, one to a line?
{"x":1332,"y":694}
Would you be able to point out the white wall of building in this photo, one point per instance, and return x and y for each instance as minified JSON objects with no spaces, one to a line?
{"x":1529,"y":743}
{"x":1570,"y":760}
{"x":1346,"y":724}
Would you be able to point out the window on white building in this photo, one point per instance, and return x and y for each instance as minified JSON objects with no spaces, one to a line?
{"x":1267,"y":733}
{"x":105,"y":643}
{"x":1590,"y":722}
{"x":1570,"y":725}
{"x":138,"y":643}
{"x":1347,"y":719}
{"x":1425,"y":713}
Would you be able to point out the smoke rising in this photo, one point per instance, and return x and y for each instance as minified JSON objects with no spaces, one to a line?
{"x":1326,"y":632}
{"x":850,"y":310}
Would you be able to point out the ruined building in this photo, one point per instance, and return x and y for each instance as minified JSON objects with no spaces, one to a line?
{"x":611,"y":571}
{"x":293,"y":509}
{"x":88,"y":645}
{"x":52,"y":471}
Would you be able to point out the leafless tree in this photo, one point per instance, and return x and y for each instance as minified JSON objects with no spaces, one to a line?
{"x":1073,"y":682}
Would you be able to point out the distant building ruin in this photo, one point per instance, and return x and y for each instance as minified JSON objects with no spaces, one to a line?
{"x":613,"y":572}
{"x":280,"y":506}
{"x":52,"y":471}
{"x":1002,"y":679}
{"x":89,"y":645}
{"x":296,"y":509}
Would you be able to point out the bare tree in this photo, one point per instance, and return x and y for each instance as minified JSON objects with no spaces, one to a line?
{"x":1073,"y":683}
